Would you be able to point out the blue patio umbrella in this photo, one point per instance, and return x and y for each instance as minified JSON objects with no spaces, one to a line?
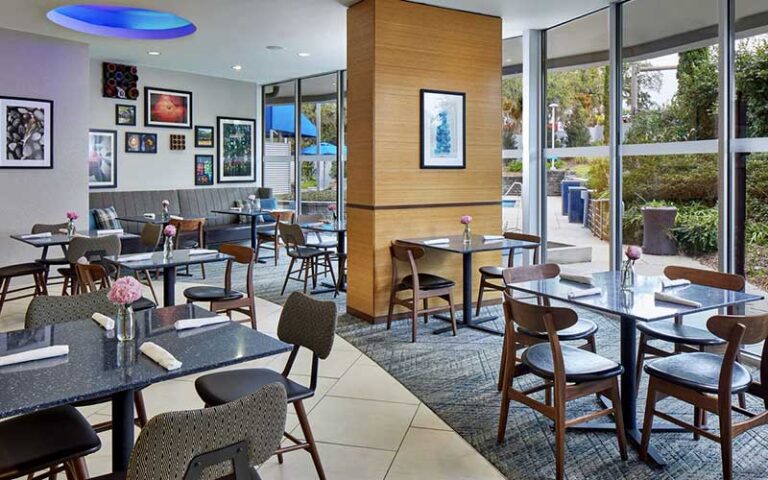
{"x":281,"y":119}
{"x":326,"y":148}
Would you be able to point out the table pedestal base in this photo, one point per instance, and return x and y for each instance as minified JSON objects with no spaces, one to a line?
{"x":474,"y":323}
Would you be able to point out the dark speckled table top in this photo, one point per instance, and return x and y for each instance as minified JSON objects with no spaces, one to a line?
{"x":98,"y":365}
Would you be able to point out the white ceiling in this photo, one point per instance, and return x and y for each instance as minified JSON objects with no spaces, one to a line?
{"x":237,"y":31}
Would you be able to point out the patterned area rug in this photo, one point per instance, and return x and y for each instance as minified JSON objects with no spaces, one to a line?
{"x":456,"y":377}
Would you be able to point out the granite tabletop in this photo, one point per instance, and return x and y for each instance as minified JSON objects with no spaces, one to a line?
{"x":455,"y":244}
{"x":138,"y":261}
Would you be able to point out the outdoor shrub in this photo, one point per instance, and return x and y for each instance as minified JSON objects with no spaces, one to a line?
{"x":674,"y":178}
{"x":598,"y":175}
{"x":696,"y":229}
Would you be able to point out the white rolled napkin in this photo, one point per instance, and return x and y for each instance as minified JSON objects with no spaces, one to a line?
{"x":36,"y":354}
{"x":202,"y":251}
{"x":584,"y":278}
{"x":667,"y":283}
{"x":175,"y":217}
{"x":150,"y":215}
{"x":669,"y":298}
{"x":236,"y":209}
{"x":199,"y":322}
{"x":107,"y":323}
{"x":110,"y":231}
{"x":160,"y":355}
{"x":39,"y":235}
{"x":63,"y":230}
{"x":136,"y":257}
{"x":488,"y":238}
{"x":587,"y":292}
{"x":437,"y":241}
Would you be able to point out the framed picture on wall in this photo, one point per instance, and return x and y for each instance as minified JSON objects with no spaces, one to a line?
{"x":236,"y":141}
{"x":167,"y":108}
{"x":125,"y":115}
{"x":137,"y":142}
{"x":443,"y":130}
{"x":203,"y":169}
{"x":203,"y":136}
{"x":26,"y":133}
{"x":102,"y":159}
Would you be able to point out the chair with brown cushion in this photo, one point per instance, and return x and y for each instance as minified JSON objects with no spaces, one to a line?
{"x":54,"y":440}
{"x":53,"y":229}
{"x":583,"y":329}
{"x":311,"y":258}
{"x":269,"y":235}
{"x":190,"y":233}
{"x":491,"y":277}
{"x":570,"y":372}
{"x":223,"y":442}
{"x":50,"y":310}
{"x":227,"y":299}
{"x":93,"y":250}
{"x":708,"y":381}
{"x":304,"y":323}
{"x":93,"y":277}
{"x":422,"y":286}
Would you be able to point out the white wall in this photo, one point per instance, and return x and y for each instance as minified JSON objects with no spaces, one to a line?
{"x":42,"y":67}
{"x":211,"y":97}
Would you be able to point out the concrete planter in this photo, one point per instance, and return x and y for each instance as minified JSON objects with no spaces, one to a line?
{"x":657,"y":223}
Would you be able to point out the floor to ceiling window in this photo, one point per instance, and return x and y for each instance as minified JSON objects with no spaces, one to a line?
{"x":279,"y":148}
{"x":576,"y":126}
{"x":511,"y":135}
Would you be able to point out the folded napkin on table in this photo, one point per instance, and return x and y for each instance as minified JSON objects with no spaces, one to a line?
{"x":585,"y":278}
{"x":587,"y":292}
{"x":202,"y":251}
{"x":199,"y":322}
{"x":493,"y":237}
{"x":160,"y":355}
{"x":236,"y":209}
{"x":667,"y":283}
{"x":437,"y":241}
{"x":669,"y":298}
{"x":135,"y":257}
{"x":106,"y":322}
{"x":150,"y":215}
{"x":36,"y":354}
{"x":111,"y":231}
{"x":175,"y":217}
{"x":39,"y":235}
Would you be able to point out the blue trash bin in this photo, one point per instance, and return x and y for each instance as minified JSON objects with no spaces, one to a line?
{"x":586,"y":197}
{"x":564,"y":186}
{"x":575,"y":205}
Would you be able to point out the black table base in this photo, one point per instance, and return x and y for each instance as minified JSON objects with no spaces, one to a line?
{"x":122,"y":429}
{"x":474,"y":323}
{"x":169,"y":287}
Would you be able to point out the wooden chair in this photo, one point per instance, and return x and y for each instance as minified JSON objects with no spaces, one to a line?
{"x":311,"y":258}
{"x":317,"y":240}
{"x":92,"y":250}
{"x":570,"y":372}
{"x":489,"y":276}
{"x":190,"y":233}
{"x":422,"y":286}
{"x":304,"y":323}
{"x":583,"y":329}
{"x":35,"y":270}
{"x":150,"y":239}
{"x":270,"y":234}
{"x":708,"y":382}
{"x":227,"y":300}
{"x":44,"y":260}
{"x":94,"y":277}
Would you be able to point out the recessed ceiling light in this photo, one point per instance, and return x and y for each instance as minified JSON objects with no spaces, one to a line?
{"x":303,"y":54}
{"x":275,"y":47}
{"x":237,"y":68}
{"x":153,"y":53}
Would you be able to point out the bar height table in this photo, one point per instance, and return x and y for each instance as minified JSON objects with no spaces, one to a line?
{"x":456,"y":244}
{"x":635,"y":305}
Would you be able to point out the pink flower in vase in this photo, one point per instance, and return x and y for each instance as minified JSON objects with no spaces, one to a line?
{"x":169,"y":231}
{"x":125,"y":291}
{"x":72,"y":215}
{"x":466,"y":220}
{"x":166,"y":203}
{"x":252,"y":197}
{"x":332,"y":207}
{"x":633,"y":252}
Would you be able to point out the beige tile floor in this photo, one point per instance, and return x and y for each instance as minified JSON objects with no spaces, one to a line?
{"x":368,"y":426}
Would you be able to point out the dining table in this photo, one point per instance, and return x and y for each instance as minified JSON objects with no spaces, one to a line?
{"x":98,"y":366}
{"x":62,"y":239}
{"x":339,"y":228}
{"x":158,"y":262}
{"x":477,"y":244}
{"x":253,"y":214}
{"x":152,"y":218}
{"x":632,"y":305}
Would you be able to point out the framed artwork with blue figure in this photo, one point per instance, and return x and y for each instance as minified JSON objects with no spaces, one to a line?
{"x":443,"y":131}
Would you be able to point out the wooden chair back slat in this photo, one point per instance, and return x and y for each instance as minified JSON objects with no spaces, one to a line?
{"x":292,"y":235}
{"x":150,"y":235}
{"x":755,"y":327}
{"x":91,"y":277}
{"x":532,"y":317}
{"x":241,"y":254}
{"x":529,"y":273}
{"x":708,"y":278}
{"x":404,"y":252}
{"x":523,"y":237}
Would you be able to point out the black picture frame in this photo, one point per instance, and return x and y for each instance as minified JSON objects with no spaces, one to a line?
{"x":19,"y":164}
{"x":144,"y":142}
{"x":96,"y":170}
{"x":148,"y":110}
{"x":209,"y":160}
{"x":431,"y":162}
{"x":119,"y":121}
{"x":221,"y":146}
{"x":198,"y":142}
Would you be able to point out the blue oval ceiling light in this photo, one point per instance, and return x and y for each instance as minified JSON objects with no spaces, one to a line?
{"x":121,"y":21}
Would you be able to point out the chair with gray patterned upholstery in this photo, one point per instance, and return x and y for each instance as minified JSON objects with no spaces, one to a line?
{"x":227,"y":441}
{"x":50,"y":310}
{"x":304,"y":322}
{"x":93,"y":249}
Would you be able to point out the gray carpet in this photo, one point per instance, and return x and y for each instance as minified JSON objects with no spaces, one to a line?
{"x":456,"y":378}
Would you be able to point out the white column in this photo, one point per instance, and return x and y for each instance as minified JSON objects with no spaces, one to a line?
{"x":534,"y":194}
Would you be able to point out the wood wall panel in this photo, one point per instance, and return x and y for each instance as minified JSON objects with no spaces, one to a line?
{"x":395,"y":49}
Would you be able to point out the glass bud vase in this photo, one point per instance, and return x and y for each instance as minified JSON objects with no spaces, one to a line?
{"x":71,"y":229}
{"x":166,"y":214}
{"x":467,"y":234}
{"x":627,"y":275}
{"x":168,"y":248}
{"x":125,"y":327}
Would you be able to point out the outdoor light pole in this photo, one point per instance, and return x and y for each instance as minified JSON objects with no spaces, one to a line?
{"x":553,"y":106}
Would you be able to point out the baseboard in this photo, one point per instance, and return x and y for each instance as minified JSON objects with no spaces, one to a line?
{"x":402,"y":316}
